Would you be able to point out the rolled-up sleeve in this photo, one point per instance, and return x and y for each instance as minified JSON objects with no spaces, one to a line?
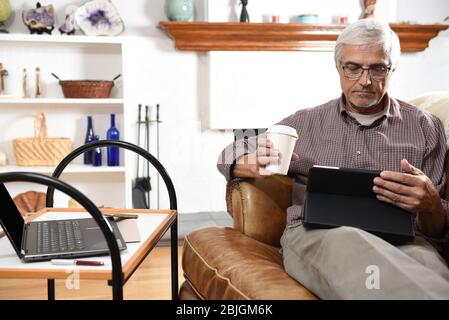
{"x":234,"y":152}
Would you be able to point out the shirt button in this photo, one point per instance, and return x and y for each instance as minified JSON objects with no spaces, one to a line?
{"x":358,"y":153}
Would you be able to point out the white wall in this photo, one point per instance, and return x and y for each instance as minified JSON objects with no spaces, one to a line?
{"x":179,"y":81}
{"x":419,"y":11}
{"x":428,"y":70}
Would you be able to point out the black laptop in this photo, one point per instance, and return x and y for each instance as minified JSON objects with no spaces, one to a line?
{"x":344,"y":197}
{"x":45,"y":240}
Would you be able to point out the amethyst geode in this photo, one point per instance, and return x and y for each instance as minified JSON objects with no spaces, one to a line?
{"x":39,"y":20}
{"x":99,"y":18}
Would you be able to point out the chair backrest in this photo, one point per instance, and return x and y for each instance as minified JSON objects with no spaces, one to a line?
{"x":437,"y":103}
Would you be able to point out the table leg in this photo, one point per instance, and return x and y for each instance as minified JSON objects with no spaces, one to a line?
{"x":174,"y":259}
{"x":51,"y":289}
{"x":117,"y":290}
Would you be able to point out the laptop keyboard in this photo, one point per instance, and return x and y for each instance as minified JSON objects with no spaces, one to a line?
{"x":59,"y":236}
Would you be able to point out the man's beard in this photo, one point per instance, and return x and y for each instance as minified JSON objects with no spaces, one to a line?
{"x":368,"y":105}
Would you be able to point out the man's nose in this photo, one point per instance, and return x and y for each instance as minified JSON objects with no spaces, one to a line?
{"x":365,"y":78}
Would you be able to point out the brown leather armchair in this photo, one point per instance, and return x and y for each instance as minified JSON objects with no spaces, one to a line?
{"x":244,"y":262}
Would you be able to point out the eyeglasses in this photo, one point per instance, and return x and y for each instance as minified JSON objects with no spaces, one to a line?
{"x":376,"y":72}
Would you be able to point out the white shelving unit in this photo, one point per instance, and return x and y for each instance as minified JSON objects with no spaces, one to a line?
{"x":60,"y":101}
{"x":71,"y":168}
{"x":71,"y":58}
{"x":61,"y":39}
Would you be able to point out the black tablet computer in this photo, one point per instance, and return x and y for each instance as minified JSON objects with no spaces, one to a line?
{"x":338,"y":197}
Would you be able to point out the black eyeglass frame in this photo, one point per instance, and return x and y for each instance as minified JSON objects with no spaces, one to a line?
{"x":369,"y":69}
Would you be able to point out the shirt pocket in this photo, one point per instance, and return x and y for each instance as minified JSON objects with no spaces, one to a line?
{"x":391,"y":159}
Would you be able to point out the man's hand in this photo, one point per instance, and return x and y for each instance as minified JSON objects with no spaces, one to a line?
{"x":413,"y":191}
{"x":253,"y":165}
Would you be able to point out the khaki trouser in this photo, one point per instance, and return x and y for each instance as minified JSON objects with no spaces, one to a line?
{"x":349,"y":263}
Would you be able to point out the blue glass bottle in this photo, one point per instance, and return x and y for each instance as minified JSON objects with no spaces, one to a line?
{"x":113,"y":152}
{"x":90,"y":136}
{"x":96,"y":161}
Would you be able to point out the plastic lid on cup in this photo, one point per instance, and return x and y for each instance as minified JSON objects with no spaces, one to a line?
{"x":283,"y":130}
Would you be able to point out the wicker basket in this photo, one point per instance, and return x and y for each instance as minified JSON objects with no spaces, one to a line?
{"x":40,"y":150}
{"x":86,"y":88}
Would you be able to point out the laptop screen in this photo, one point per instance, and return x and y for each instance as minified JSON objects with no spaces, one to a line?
{"x":10,"y":218}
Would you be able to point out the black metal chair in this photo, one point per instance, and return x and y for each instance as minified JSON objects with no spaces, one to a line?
{"x":117,"y":287}
{"x":168,"y":183}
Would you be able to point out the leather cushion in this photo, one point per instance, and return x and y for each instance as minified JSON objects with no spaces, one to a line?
{"x":222,"y":263}
{"x":186,"y":292}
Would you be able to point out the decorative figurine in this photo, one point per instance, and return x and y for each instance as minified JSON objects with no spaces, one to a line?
{"x":370,"y":7}
{"x":3,"y":73}
{"x":244,"y":17}
{"x":99,"y":18}
{"x":69,"y":27}
{"x":25,"y":93}
{"x":5,"y":12}
{"x":39,"y":20}
{"x":38,"y":83}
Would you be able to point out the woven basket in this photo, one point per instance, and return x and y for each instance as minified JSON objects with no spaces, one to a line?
{"x":40,"y":150}
{"x":86,"y":88}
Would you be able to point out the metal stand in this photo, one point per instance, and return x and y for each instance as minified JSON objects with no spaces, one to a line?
{"x":174,"y":259}
{"x":54,"y":183}
{"x":117,"y":282}
{"x":51,"y":289}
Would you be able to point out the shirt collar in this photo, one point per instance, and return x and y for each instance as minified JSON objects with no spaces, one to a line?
{"x":388,"y":111}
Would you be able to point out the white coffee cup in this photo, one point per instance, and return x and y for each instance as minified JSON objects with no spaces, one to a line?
{"x":283,"y":139}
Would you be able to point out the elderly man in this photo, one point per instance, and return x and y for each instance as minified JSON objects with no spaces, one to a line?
{"x":364,"y":128}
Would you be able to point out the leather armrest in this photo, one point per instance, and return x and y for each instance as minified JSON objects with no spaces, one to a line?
{"x":259,"y":206}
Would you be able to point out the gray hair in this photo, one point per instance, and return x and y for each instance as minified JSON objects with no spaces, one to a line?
{"x":369,"y":31}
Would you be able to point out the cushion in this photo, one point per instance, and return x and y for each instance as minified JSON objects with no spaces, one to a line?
{"x":222,"y":263}
{"x":437,"y":103}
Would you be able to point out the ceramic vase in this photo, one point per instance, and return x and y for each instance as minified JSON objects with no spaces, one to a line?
{"x":179,"y":10}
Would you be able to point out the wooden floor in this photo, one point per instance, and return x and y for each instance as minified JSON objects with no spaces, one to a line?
{"x":151,"y":281}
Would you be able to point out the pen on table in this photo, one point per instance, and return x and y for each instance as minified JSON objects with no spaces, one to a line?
{"x":121,"y":215}
{"x":77,"y":262}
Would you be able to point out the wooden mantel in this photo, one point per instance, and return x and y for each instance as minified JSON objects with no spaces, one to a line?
{"x":221,"y":36}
